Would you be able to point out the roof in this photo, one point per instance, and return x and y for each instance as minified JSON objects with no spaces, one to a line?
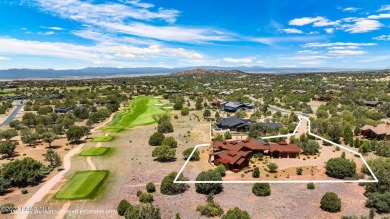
{"x":273,"y":125}
{"x":371,"y":102}
{"x":378,"y":130}
{"x":232,"y":121}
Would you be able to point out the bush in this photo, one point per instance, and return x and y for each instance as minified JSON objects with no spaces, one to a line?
{"x":150,"y":187}
{"x":228,"y":135}
{"x":256,"y":172}
{"x":261,"y":189}
{"x":381,"y":202}
{"x":272,"y":167}
{"x":311,"y":186}
{"x":185,"y":111}
{"x":236,"y":213}
{"x":167,"y":186}
{"x":211,"y":208}
{"x":24,"y":191}
{"x":170,"y":141}
{"x":207,"y":188}
{"x":340,"y":168}
{"x":139,"y":192}
{"x":146,"y":198}
{"x":7,"y":208}
{"x":23,"y":172}
{"x":156,"y":139}
{"x":221,"y":169}
{"x":187,"y":152}
{"x":122,"y":207}
{"x":331,"y":202}
{"x":164,"y":153}
{"x":143,"y":211}
{"x":299,"y":170}
{"x":165,"y":127}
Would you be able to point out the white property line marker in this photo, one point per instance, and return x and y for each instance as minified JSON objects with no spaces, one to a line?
{"x":375,"y":180}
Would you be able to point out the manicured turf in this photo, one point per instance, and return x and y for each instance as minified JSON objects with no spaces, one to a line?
{"x":83,"y":185}
{"x":97,"y":151}
{"x":142,"y":112}
{"x":103,"y":139}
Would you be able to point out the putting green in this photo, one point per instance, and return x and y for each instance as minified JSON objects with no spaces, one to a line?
{"x":95,"y":151}
{"x":103,"y":139}
{"x":143,"y":111}
{"x":83,"y":185}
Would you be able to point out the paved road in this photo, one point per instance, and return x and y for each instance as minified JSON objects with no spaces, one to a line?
{"x":12,"y":115}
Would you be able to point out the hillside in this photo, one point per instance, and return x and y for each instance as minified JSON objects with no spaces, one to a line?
{"x":201,"y":71}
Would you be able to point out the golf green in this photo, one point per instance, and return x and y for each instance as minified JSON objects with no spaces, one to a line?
{"x":143,"y":111}
{"x":97,"y":151}
{"x":103,"y":139}
{"x":83,"y":185}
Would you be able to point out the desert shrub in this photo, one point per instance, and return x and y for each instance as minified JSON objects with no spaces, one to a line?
{"x":256,"y":172}
{"x":156,"y":139}
{"x":23,"y":172}
{"x":211,"y":208}
{"x":143,"y":211}
{"x":150,"y":187}
{"x":340,"y":168}
{"x":228,"y":135}
{"x":331,"y":202}
{"x":381,"y":202}
{"x":187,"y":152}
{"x":139,"y":192}
{"x":170,"y":141}
{"x":146,"y":198}
{"x":24,"y":191}
{"x":261,"y":189}
{"x":236,"y":213}
{"x":221,"y":169}
{"x":164,"y":153}
{"x":272,"y":167}
{"x":207,"y":188}
{"x":299,"y":170}
{"x":7,"y":208}
{"x":167,"y":186}
{"x":122,"y":207}
{"x":165,"y":127}
{"x":311,"y":186}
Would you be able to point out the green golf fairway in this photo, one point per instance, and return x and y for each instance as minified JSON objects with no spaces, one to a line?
{"x":83,"y":185}
{"x":143,"y":111}
{"x":95,"y":151}
{"x":103,"y":139}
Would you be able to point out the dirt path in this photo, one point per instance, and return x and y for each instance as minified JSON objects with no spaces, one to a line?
{"x":37,"y":197}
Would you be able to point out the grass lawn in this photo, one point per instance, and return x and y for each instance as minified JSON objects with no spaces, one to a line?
{"x":103,"y":139}
{"x":97,"y":151}
{"x":143,"y":111}
{"x":83,"y":185}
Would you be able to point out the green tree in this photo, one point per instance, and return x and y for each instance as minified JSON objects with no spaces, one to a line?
{"x":256,"y":172}
{"x":29,"y":137}
{"x":185,"y":111}
{"x":207,"y":188}
{"x":23,"y":172}
{"x":49,"y":137}
{"x":221,"y":169}
{"x":236,"y":213}
{"x":228,"y":135}
{"x":75,"y":133}
{"x":156,"y":139}
{"x":164,"y":153}
{"x":165,"y":127}
{"x":261,"y":189}
{"x":382,"y":148}
{"x":211,"y":208}
{"x":123,"y":206}
{"x":340,"y":168}
{"x":187,"y":152}
{"x":52,"y":157}
{"x":146,"y":198}
{"x":7,"y":147}
{"x":311,"y":147}
{"x":206,"y":113}
{"x":219,"y":137}
{"x":272,"y":167}
{"x":8,"y":134}
{"x":150,"y":187}
{"x":311,"y":186}
{"x":4,"y":185}
{"x":331,"y":202}
{"x":168,"y":187}
{"x":170,"y":141}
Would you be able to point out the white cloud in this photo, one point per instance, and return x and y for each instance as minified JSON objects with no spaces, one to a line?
{"x":343,"y":47}
{"x":292,"y":30}
{"x":287,"y":66}
{"x":46,"y":33}
{"x":329,"y":30}
{"x":139,"y":4}
{"x":362,"y":25}
{"x":308,"y":52}
{"x":384,"y":8}
{"x":379,"y":16}
{"x":286,"y":39}
{"x":2,"y":58}
{"x":382,"y":37}
{"x":313,"y":63}
{"x":346,"y":52}
{"x":53,"y":28}
{"x":325,"y":22}
{"x":307,"y":58}
{"x":240,"y":60}
{"x":352,"y":9}
{"x":305,"y":20}
{"x":337,"y":44}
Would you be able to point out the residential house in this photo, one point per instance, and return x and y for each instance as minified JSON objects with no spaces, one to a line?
{"x":372,"y":103}
{"x":234,"y":124}
{"x":380,"y":132}
{"x":235,"y":106}
{"x":62,"y":110}
{"x":235,"y":155}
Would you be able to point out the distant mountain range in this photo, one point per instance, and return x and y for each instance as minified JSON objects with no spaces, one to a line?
{"x":20,"y":74}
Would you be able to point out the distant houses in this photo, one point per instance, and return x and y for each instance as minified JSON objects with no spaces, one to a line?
{"x":372,"y":103}
{"x":235,"y":106}
{"x":62,"y":110}
{"x":378,"y":132}
{"x":243,"y":125}
{"x":299,"y":92}
{"x":235,"y":155}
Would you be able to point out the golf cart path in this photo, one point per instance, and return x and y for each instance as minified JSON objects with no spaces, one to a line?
{"x":38,"y":196}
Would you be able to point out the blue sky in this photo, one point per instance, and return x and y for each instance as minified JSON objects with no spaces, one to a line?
{"x":172,"y":33}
